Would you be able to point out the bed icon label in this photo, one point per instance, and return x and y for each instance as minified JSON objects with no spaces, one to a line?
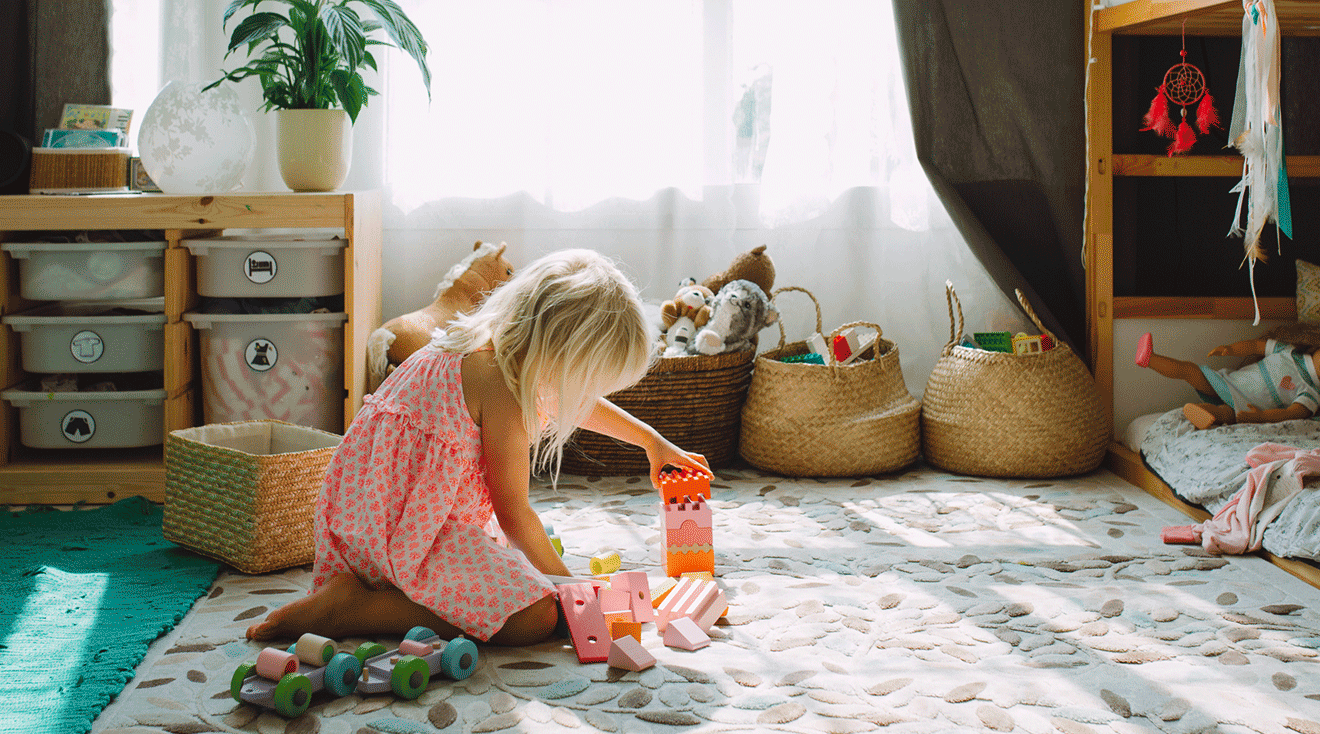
{"x":260,"y":267}
{"x":261,"y":354}
{"x":78,"y":426}
{"x":86,"y":346}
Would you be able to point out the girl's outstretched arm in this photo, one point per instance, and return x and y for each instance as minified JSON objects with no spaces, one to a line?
{"x":505,"y":447}
{"x":615,"y":422}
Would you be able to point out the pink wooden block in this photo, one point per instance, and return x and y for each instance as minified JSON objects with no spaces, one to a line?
{"x":702,"y":601}
{"x":614,"y":605}
{"x":638,"y":588}
{"x":586,"y":624}
{"x":683,"y":633}
{"x":628,"y":653}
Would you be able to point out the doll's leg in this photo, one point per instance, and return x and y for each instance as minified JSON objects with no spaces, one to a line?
{"x":1205,"y":415}
{"x":1177,"y":369}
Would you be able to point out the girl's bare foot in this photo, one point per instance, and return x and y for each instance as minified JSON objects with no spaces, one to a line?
{"x":322,"y":612}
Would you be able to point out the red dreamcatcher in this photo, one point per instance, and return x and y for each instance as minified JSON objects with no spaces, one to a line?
{"x":1183,"y":85}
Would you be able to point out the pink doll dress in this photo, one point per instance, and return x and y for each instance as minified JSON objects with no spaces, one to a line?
{"x":404,"y":503}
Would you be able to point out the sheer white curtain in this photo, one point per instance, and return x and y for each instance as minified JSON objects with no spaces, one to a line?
{"x":669,"y":134}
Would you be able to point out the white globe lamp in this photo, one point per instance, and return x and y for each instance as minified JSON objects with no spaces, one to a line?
{"x":195,"y":142}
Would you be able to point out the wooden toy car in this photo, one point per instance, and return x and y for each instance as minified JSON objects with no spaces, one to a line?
{"x":286,"y":680}
{"x":408,"y":670}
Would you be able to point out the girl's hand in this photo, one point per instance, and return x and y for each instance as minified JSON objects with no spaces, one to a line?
{"x":667,"y":454}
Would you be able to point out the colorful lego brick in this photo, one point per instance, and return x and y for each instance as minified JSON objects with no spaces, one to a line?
{"x":1032,"y":343}
{"x":604,"y":565}
{"x":816,"y":343}
{"x":995,"y":341}
{"x":586,"y":624}
{"x":684,"y":634}
{"x":630,"y":629}
{"x":628,"y":653}
{"x":683,"y":485}
{"x":638,"y":588}
{"x":614,"y":605}
{"x":701,"y":601}
{"x":688,"y":538}
{"x":809,"y":358}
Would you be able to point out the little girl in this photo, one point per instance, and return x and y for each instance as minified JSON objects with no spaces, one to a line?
{"x":403,"y":521}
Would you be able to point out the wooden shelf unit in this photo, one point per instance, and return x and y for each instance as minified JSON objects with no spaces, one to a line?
{"x":105,"y":475}
{"x":1149,"y":18}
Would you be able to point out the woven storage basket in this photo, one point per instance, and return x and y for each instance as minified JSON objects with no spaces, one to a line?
{"x":995,"y":414}
{"x":244,"y":493}
{"x":829,"y":420}
{"x":694,"y":401}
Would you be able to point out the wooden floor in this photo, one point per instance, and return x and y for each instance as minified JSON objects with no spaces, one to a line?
{"x":1128,"y":465}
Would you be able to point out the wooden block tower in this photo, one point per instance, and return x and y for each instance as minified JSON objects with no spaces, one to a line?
{"x":686,"y":523}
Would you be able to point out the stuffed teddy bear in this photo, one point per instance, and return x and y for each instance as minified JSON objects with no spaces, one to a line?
{"x":688,"y":311}
{"x":464,"y":286}
{"x":737,"y":313}
{"x":753,"y":265}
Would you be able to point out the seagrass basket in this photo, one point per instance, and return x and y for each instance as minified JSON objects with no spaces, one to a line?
{"x":995,"y":414}
{"x":245,"y":493}
{"x":695,"y":401}
{"x":835,"y":420}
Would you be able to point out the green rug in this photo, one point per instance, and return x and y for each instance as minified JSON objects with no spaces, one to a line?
{"x":82,"y":595}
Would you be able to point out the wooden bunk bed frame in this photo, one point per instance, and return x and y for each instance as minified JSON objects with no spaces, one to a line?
{"x":1154,"y":18}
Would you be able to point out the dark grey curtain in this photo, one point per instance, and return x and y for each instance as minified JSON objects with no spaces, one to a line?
{"x":997,"y":91}
{"x":51,"y":52}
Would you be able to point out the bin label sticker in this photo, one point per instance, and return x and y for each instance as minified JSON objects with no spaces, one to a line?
{"x":260,"y":267}
{"x":86,"y":346}
{"x":78,"y":426}
{"x":261,"y":354}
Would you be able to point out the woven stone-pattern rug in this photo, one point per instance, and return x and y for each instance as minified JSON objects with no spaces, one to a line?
{"x":918,"y":602}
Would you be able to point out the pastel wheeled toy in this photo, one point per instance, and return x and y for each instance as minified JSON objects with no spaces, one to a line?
{"x":407,"y":670}
{"x":285,"y":680}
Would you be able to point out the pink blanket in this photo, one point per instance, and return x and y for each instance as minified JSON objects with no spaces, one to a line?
{"x":1277,"y":475}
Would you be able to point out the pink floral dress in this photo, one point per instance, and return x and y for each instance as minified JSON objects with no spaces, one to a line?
{"x":405,"y":503}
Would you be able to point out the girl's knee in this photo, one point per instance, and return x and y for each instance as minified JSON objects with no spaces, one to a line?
{"x":534,"y":624}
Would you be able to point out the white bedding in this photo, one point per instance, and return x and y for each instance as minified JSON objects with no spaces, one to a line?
{"x":1207,"y":467}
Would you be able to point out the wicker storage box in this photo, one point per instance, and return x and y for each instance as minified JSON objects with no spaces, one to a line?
{"x":993,"y":414}
{"x":695,"y":401}
{"x":244,"y":493}
{"x":817,"y":420}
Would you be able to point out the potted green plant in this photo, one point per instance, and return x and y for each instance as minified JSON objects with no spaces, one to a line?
{"x":310,"y":68}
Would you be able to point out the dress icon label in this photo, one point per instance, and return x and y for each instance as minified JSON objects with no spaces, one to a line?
{"x":261,"y":354}
{"x":86,"y":346}
{"x":260,"y":267}
{"x":78,"y":426}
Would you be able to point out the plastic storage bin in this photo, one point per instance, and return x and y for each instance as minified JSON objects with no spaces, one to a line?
{"x":82,"y":420}
{"x":78,"y":271}
{"x":287,"y":367}
{"x":264,"y":266}
{"x":123,"y":336}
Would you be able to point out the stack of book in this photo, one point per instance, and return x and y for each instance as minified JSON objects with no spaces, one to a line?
{"x":88,"y":153}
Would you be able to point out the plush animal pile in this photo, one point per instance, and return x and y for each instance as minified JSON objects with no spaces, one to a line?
{"x":724,"y":313}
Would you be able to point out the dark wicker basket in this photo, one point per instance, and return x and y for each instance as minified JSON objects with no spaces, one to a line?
{"x":695,"y":401}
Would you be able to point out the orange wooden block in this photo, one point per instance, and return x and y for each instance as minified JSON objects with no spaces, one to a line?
{"x":625,"y":629}
{"x":682,"y":485}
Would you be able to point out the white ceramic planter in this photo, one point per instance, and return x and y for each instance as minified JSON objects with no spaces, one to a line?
{"x":315,"y":148}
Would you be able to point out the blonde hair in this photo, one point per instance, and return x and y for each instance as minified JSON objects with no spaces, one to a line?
{"x":567,"y":330}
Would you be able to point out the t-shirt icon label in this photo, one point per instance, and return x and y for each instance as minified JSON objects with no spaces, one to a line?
{"x":86,"y":346}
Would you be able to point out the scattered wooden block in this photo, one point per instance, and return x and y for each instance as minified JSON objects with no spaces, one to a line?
{"x":701,"y":601}
{"x":630,"y":629}
{"x":684,"y":634}
{"x":628,"y":653}
{"x":638,"y":588}
{"x":586,"y":623}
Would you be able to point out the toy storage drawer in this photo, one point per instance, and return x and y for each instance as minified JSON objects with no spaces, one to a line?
{"x":287,"y":367}
{"x":126,"y":336}
{"x":252,"y":266}
{"x":77,"y":271}
{"x":80,"y":420}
